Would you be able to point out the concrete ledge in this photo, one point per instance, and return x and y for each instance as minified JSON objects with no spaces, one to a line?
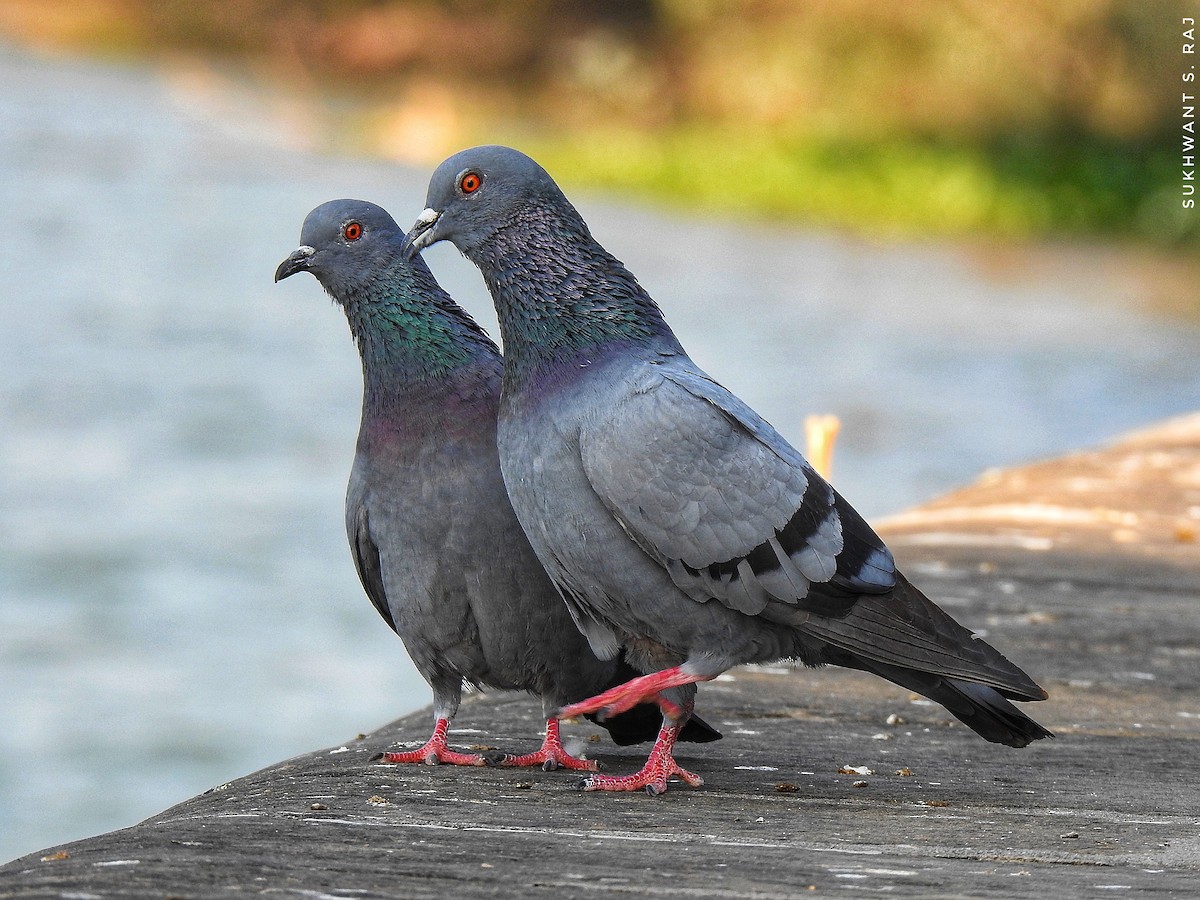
{"x":1085,"y":570}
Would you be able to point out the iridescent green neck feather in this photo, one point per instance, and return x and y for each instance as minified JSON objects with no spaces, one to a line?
{"x":416,"y":344}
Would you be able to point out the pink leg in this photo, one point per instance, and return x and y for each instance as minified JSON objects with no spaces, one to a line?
{"x":631,"y":693}
{"x":551,"y":755}
{"x":435,"y":751}
{"x":659,"y":768}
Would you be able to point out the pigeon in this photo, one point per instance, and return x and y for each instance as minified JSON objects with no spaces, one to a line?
{"x":433,"y":535}
{"x":676,"y":522}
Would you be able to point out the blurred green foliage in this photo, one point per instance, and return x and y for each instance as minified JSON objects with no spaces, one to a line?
{"x":897,"y":185}
{"x":1032,"y":117}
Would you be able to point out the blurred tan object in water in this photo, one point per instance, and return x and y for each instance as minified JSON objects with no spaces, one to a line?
{"x":821,"y":431}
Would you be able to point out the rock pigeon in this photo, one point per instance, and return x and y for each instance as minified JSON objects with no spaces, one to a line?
{"x":433,"y":535}
{"x":677,"y":523}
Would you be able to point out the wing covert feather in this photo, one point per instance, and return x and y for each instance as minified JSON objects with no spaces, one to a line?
{"x":713,"y":493}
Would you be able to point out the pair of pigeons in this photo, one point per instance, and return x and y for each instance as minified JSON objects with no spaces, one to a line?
{"x":591,"y":517}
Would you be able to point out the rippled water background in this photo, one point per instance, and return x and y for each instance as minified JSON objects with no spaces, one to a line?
{"x":177,"y":604}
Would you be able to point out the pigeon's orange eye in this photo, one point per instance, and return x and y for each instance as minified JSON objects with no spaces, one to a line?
{"x":470,"y":182}
{"x":352,"y":231}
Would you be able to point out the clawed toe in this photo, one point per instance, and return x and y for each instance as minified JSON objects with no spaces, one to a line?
{"x":660,"y":767}
{"x":435,"y":751}
{"x":551,"y":755}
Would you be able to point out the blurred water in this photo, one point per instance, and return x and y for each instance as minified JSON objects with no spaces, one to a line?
{"x":177,"y":604}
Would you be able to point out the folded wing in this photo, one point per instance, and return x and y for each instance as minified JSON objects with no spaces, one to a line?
{"x":733,"y":512}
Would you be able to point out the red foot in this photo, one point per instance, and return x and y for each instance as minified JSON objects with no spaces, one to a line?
{"x":435,"y":751}
{"x":551,"y":755}
{"x":630,"y":694}
{"x":659,"y":768}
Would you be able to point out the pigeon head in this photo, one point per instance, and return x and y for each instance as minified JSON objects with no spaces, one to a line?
{"x":476,"y":192}
{"x":344,"y":244}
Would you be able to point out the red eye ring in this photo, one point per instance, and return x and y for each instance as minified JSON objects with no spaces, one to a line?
{"x":470,"y":182}
{"x":352,"y":231}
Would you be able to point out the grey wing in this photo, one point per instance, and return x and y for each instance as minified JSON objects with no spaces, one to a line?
{"x":732,"y":511}
{"x":366,"y":560}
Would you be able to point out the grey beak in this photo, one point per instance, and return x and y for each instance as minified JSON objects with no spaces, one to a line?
{"x":300,"y":260}
{"x":421,"y":234}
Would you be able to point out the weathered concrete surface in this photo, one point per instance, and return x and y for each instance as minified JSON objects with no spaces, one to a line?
{"x":1086,"y":570}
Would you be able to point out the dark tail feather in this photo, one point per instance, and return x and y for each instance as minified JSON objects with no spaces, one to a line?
{"x":903,"y":629}
{"x":697,"y":731}
{"x":641,"y":724}
{"x":988,"y":714}
{"x":981,"y":708}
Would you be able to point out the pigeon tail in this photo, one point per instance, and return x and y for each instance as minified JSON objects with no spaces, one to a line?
{"x":625,"y":696}
{"x":985,"y":711}
{"x":903,"y":629}
{"x":642,"y":723}
{"x":981,"y":708}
